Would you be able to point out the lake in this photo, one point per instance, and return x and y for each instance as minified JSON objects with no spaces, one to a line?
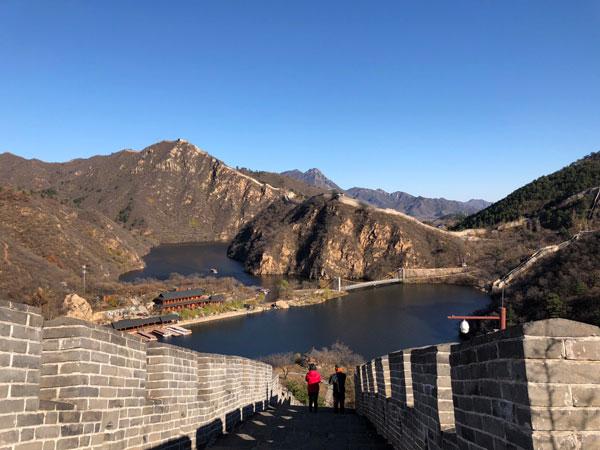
{"x":372,"y":322}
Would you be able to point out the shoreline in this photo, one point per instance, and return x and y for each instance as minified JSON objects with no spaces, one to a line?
{"x":225,"y":315}
{"x":292,"y":303}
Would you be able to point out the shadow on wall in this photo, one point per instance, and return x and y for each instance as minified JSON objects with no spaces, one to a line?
{"x":532,"y":386}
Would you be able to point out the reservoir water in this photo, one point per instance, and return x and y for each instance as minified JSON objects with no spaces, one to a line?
{"x":371,"y":322}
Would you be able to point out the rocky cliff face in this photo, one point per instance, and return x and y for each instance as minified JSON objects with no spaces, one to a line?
{"x":328,"y":236}
{"x":168,"y":192}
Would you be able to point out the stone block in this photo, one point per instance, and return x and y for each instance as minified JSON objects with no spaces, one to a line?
{"x":543,"y":348}
{"x":13,"y":316}
{"x":559,"y":328}
{"x":565,"y":371}
{"x":587,"y":350}
{"x":565,"y":419}
{"x":584,"y":396}
{"x":549,"y":395}
{"x":28,"y":420}
{"x":511,"y":349}
{"x":29,"y":446}
{"x":13,"y":346}
{"x":12,"y":375}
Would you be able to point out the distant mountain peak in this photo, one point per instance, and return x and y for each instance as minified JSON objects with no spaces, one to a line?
{"x":314,"y":177}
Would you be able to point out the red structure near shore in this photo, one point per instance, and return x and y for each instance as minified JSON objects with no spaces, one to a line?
{"x":188,"y":299}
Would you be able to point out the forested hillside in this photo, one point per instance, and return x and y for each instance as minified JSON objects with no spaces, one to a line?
{"x":561,"y":201}
{"x":565,"y":284}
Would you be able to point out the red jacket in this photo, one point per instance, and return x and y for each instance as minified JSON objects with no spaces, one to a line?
{"x":313,"y":379}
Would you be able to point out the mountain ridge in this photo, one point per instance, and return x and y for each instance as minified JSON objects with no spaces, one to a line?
{"x":422,"y":208}
{"x":170,"y":191}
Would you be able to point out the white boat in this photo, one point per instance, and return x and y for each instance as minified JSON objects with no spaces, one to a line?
{"x":178,"y":330}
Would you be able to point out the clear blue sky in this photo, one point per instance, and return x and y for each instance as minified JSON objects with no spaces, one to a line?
{"x":460,"y":99}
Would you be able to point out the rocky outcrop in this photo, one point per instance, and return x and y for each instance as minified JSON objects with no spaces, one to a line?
{"x":329,"y":236}
{"x":77,"y":307}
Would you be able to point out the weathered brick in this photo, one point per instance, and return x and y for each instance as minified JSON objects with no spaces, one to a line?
{"x":565,"y":419}
{"x":13,"y":346}
{"x":67,"y":443}
{"x":588,"y":350}
{"x":585,"y":395}
{"x":27,"y":420}
{"x":13,"y":316}
{"x":549,"y":395}
{"x":569,"y":372}
{"x":29,"y":446}
{"x":544,"y":348}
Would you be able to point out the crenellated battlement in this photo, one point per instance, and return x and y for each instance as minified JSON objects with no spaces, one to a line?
{"x":533,"y":386}
{"x":69,"y":384}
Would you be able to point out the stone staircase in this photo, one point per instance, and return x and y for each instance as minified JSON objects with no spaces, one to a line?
{"x":293,"y":427}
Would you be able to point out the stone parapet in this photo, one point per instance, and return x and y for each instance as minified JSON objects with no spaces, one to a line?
{"x":533,"y":386}
{"x":71,"y":384}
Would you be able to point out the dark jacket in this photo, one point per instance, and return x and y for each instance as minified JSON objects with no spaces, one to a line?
{"x":338,"y":380}
{"x":313,"y":379}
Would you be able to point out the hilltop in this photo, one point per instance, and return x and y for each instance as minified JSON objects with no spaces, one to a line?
{"x":331,"y":235}
{"x":168,"y":192}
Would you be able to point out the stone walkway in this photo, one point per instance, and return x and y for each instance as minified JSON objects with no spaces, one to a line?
{"x":293,"y":427}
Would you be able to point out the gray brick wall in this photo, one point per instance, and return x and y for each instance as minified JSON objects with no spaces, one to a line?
{"x":534,"y":386}
{"x":70,"y":384}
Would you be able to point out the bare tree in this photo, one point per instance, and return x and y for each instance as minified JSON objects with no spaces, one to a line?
{"x":283,"y":361}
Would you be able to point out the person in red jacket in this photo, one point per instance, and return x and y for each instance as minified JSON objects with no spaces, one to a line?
{"x":313,"y":379}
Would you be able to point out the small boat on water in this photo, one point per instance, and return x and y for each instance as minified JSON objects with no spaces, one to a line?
{"x":146,"y":336}
{"x":162,"y":332}
{"x":178,"y":330}
{"x":214,"y":270}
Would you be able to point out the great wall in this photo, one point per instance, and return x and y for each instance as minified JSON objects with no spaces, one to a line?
{"x":532,"y":386}
{"x":69,"y":384}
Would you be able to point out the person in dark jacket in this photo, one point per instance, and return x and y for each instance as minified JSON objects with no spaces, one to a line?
{"x":338,"y":381}
{"x":313,"y":379}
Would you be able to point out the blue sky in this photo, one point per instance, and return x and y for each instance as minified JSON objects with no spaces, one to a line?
{"x":454,"y":99}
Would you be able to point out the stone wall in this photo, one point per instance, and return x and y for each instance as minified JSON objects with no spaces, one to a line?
{"x":533,"y":386}
{"x":70,"y":384}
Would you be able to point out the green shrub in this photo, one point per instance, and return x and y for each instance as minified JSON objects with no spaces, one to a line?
{"x":554,"y":306}
{"x":299,"y":392}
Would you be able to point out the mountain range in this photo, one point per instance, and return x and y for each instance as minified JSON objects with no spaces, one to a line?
{"x":422,"y":208}
{"x":107,"y":211}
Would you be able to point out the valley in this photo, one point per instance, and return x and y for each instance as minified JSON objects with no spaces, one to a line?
{"x":106,"y":212}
